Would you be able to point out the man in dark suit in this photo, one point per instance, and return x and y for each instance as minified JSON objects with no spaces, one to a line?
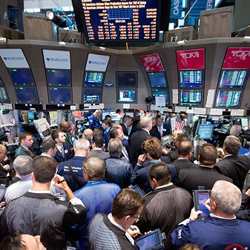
{"x":97,"y":147}
{"x":234,"y":166}
{"x":138,"y":137}
{"x":157,"y":129}
{"x":26,"y":142}
{"x":203,"y":175}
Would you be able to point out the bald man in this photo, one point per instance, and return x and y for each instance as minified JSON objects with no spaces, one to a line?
{"x":97,"y":195}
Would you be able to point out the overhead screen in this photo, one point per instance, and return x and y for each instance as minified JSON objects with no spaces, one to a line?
{"x":152,"y":62}
{"x":21,"y":75}
{"x":3,"y":94}
{"x":118,"y":20}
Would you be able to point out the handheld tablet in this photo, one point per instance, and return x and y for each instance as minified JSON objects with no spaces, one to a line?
{"x":200,"y":197}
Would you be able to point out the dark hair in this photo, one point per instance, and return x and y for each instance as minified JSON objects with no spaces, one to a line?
{"x":161,"y":173}
{"x":108,"y":122}
{"x":23,"y":136}
{"x":113,"y":133}
{"x":55,"y":134}
{"x":185,"y":147}
{"x":65,"y":126}
{"x":208,"y":154}
{"x":98,"y":140}
{"x":44,"y":169}
{"x":127,"y":202}
{"x":232,"y":145}
{"x":12,"y":243}
{"x":48,"y":144}
{"x":118,"y":111}
{"x":152,"y":146}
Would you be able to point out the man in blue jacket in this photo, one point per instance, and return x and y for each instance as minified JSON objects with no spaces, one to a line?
{"x":97,"y":194}
{"x":220,"y":230}
{"x":94,"y":120}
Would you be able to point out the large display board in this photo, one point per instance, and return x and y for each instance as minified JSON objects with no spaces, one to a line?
{"x":118,"y":20}
{"x":233,"y":77}
{"x":152,"y":62}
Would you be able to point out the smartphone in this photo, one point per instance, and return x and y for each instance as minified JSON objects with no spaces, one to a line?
{"x":200,"y":197}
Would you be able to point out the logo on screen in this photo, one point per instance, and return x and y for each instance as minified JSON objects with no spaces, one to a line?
{"x":241,"y":54}
{"x":189,"y":55}
{"x":13,"y":58}
{"x":57,"y":59}
{"x":176,"y":9}
{"x":97,"y":63}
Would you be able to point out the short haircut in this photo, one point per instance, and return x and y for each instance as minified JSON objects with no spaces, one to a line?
{"x":232,"y":145}
{"x":227,"y":197}
{"x":208,"y":154}
{"x":23,"y":136}
{"x":185,"y":148}
{"x":161,"y":173}
{"x":152,"y":146}
{"x":127,"y":202}
{"x":65,"y":126}
{"x":95,"y":168}
{"x":81,"y":144}
{"x":98,"y":140}
{"x":44,"y":169}
{"x":145,"y":120}
{"x":48,"y":144}
{"x":55,"y":133}
{"x":108,"y":122}
{"x":113,"y":133}
{"x":23,"y":165}
{"x":12,"y":242}
{"x":115,"y":147}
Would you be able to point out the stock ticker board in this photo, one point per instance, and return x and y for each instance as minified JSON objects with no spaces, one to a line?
{"x":107,"y":20}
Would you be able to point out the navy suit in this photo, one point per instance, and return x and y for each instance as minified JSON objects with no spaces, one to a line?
{"x":68,"y":153}
{"x":94,"y":122}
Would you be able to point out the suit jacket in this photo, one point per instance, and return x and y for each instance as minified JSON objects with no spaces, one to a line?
{"x":155,"y":132}
{"x":236,"y":168}
{"x":191,"y":178}
{"x":135,"y":144}
{"x":183,"y":163}
{"x":99,"y":153}
{"x":68,"y":153}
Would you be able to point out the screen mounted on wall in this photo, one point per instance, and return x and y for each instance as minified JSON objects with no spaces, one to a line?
{"x":26,"y":95}
{"x":157,"y":80}
{"x":127,"y":95}
{"x":126,"y":78}
{"x":93,"y":79}
{"x":60,"y":95}
{"x":190,"y":79}
{"x":92,"y":95}
{"x":97,"y":62}
{"x":191,"y":97}
{"x":228,"y":98}
{"x":21,"y":77}
{"x":58,"y":77}
{"x":118,"y":20}
{"x":152,"y":62}
{"x":232,"y":78}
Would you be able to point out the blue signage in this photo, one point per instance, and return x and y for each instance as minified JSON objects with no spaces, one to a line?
{"x":176,"y":9}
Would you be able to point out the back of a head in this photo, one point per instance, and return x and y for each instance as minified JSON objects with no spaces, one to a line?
{"x":152,"y":146}
{"x":208,"y":154}
{"x":178,"y":137}
{"x":145,"y":121}
{"x":114,"y":133}
{"x":127,"y":202}
{"x":48,"y":144}
{"x":95,"y":168}
{"x":23,"y":165}
{"x":232,"y":145}
{"x":65,"y":126}
{"x":88,"y":133}
{"x":98,"y":140}
{"x":185,"y":148}
{"x":160,"y":172}
{"x":227,"y":197}
{"x":44,"y":169}
{"x":235,"y":130}
{"x":81,"y":145}
{"x":115,"y":147}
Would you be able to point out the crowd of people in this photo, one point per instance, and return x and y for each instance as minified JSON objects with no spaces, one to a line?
{"x":118,"y":182}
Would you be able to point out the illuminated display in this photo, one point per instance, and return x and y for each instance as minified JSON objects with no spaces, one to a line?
{"x":3,"y":95}
{"x":228,"y":98}
{"x":60,"y":96}
{"x":93,"y":79}
{"x":191,"y":79}
{"x":126,"y":79}
{"x":21,"y":77}
{"x":26,"y":95}
{"x":58,"y":77}
{"x":232,"y":78}
{"x":191,"y":96}
{"x":119,"y":20}
{"x":92,"y":95}
{"x":127,"y":95}
{"x":157,"y":80}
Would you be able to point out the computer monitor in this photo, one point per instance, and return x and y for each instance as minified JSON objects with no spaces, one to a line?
{"x":126,"y":79}
{"x":205,"y":131}
{"x":26,"y":95}
{"x":127,"y":95}
{"x":157,"y":80}
{"x":92,"y":95}
{"x":232,"y":78}
{"x":58,"y":77}
{"x":60,"y":95}
{"x":21,"y":77}
{"x":191,"y":79}
{"x":93,"y":79}
{"x":191,"y":97}
{"x":3,"y":95}
{"x":244,"y":122}
{"x":228,"y":98}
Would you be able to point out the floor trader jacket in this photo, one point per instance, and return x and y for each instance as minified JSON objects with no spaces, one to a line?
{"x":41,"y":213}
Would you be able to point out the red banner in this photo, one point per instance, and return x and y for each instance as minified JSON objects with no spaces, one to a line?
{"x":152,"y":62}
{"x":191,"y":59}
{"x":237,"y":58}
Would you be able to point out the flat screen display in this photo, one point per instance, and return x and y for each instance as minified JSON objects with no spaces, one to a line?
{"x":191,"y":79}
{"x":160,"y":92}
{"x":92,"y":95}
{"x":157,"y":80}
{"x":21,"y":77}
{"x":3,"y":95}
{"x":191,"y":96}
{"x":152,"y":62}
{"x":128,"y":95}
{"x":60,"y":95}
{"x":205,"y":131}
{"x":244,"y":122}
{"x":93,"y":79}
{"x":126,"y":79}
{"x":228,"y":98}
{"x":26,"y":95}
{"x":58,"y":77}
{"x":234,"y":78}
{"x":118,"y":20}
